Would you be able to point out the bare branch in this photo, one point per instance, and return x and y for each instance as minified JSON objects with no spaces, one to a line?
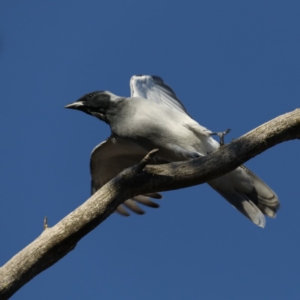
{"x":54,"y":243}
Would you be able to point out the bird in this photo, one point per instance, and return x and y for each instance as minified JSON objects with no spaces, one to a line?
{"x":154,"y":118}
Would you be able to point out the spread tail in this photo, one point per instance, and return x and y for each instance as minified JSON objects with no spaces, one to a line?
{"x":248,"y":194}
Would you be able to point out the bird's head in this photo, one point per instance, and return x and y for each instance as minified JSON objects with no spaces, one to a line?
{"x":96,"y":104}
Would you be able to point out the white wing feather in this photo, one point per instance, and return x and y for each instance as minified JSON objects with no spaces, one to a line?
{"x":154,"y":89}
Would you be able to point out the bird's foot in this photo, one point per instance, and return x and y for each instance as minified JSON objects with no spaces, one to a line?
{"x":221,"y":135}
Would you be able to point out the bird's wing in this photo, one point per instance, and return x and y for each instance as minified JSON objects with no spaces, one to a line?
{"x":111,"y":157}
{"x":154,"y":89}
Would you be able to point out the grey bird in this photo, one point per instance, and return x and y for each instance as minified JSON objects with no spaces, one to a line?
{"x":153,"y":117}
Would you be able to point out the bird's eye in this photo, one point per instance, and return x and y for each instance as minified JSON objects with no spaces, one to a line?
{"x":91,"y":96}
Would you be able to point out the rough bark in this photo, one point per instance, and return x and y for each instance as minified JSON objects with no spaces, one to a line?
{"x":57,"y":241}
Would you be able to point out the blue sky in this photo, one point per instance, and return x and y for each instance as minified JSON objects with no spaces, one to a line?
{"x":234,"y":64}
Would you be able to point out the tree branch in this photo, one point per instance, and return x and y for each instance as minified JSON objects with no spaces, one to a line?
{"x":54,"y":243}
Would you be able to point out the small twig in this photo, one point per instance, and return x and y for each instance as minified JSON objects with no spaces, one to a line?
{"x":45,"y":223}
{"x":143,"y":163}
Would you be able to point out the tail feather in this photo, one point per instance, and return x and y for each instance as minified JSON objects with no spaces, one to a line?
{"x":262,"y":195}
{"x":248,"y":194}
{"x":245,"y":206}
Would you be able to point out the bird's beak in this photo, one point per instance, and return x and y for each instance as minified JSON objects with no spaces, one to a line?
{"x":75,"y":105}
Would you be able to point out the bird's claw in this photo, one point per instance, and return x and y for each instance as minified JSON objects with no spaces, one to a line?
{"x":221,"y":135}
